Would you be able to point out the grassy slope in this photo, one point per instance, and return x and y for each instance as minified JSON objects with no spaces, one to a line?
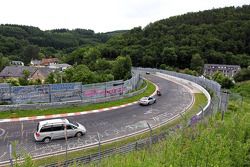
{"x":25,"y":113}
{"x":213,"y":143}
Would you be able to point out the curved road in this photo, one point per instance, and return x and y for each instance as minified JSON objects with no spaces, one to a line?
{"x":109,"y":124}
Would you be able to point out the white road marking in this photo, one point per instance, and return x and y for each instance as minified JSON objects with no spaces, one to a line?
{"x":3,"y":155}
{"x":2,"y":131}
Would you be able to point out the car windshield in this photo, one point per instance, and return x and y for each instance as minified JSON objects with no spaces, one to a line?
{"x":74,"y":123}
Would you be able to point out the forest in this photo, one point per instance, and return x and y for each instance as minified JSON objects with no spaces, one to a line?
{"x":218,"y":36}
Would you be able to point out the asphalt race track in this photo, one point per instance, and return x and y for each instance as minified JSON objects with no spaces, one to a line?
{"x":109,"y":124}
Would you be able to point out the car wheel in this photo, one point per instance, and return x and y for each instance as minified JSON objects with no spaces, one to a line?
{"x":79,"y":134}
{"x":46,"y":139}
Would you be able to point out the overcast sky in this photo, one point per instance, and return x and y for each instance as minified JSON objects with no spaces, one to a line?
{"x":100,"y":15}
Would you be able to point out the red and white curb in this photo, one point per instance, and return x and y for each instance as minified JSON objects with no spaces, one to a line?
{"x":70,"y":114}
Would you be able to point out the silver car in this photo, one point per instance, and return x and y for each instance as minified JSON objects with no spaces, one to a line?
{"x":147,"y":100}
{"x":48,"y":130}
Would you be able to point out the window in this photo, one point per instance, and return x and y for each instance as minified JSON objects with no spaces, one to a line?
{"x":58,"y":127}
{"x":69,"y":127}
{"x":46,"y":129}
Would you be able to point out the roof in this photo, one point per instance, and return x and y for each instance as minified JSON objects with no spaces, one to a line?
{"x":50,"y":60}
{"x":45,"y":70}
{"x":57,"y":66}
{"x":224,"y":65}
{"x":16,"y":62}
{"x":16,"y":71}
{"x":53,"y":121}
{"x":35,"y":62}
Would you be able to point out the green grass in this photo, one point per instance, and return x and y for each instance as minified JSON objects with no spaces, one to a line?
{"x":200,"y":99}
{"x":212,"y":143}
{"x":242,"y":88}
{"x":24,"y":113}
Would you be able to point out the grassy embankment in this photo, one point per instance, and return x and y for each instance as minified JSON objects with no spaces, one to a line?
{"x":24,"y":113}
{"x":210,"y":143}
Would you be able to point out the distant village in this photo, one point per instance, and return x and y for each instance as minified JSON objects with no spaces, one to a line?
{"x":38,"y":69}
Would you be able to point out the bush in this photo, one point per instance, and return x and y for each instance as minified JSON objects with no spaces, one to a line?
{"x":243,"y":75}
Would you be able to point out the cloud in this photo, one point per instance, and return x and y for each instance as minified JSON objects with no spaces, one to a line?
{"x":100,"y":15}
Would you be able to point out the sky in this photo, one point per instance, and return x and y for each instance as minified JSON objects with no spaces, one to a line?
{"x":100,"y":15}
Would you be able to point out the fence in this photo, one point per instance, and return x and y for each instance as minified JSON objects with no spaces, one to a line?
{"x":67,"y":92}
{"x":139,"y":144}
{"x":213,"y":107}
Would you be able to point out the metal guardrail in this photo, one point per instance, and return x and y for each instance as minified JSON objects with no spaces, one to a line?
{"x":146,"y":142}
{"x":134,"y":146}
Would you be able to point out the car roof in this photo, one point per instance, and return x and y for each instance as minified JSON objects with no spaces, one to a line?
{"x":53,"y":121}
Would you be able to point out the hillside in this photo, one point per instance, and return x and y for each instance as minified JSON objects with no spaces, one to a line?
{"x":220,"y":36}
{"x":15,"y":39}
{"x":217,"y":36}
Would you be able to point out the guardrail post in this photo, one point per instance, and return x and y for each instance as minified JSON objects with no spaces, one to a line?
{"x":202,"y":111}
{"x":66,"y":142}
{"x":150,"y":139}
{"x":241,"y":103}
{"x":81,"y":92}
{"x":10,"y":151}
{"x":99,"y":147}
{"x":50,"y":93}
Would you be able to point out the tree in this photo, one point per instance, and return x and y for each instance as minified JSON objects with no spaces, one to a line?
{"x":31,"y":52}
{"x":224,"y":81}
{"x":148,"y":61}
{"x":169,"y":56}
{"x":197,"y":63}
{"x":163,"y":66}
{"x":242,"y":75}
{"x":24,"y":80}
{"x":50,"y":79}
{"x":122,"y":68}
{"x":102,"y":65}
{"x":4,"y":61}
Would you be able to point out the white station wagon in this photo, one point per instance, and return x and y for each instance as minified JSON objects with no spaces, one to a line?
{"x":48,"y":130}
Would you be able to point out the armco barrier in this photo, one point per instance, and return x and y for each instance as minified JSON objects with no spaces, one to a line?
{"x":143,"y":143}
{"x":204,"y":91}
{"x":210,"y":108}
{"x":202,"y":81}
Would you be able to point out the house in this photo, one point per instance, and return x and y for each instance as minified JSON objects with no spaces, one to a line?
{"x":41,"y":73}
{"x":17,"y":63}
{"x":35,"y":62}
{"x":60,"y":67}
{"x":17,"y":72}
{"x":227,"y":70}
{"x":49,"y":61}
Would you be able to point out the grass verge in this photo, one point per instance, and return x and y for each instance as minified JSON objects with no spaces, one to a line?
{"x":212,"y":142}
{"x":24,"y":113}
{"x":200,"y":99}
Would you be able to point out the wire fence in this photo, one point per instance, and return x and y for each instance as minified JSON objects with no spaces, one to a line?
{"x":217,"y":104}
{"x":144,"y":143}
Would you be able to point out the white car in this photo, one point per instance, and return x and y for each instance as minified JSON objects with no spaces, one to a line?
{"x":147,"y":100}
{"x":48,"y":130}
